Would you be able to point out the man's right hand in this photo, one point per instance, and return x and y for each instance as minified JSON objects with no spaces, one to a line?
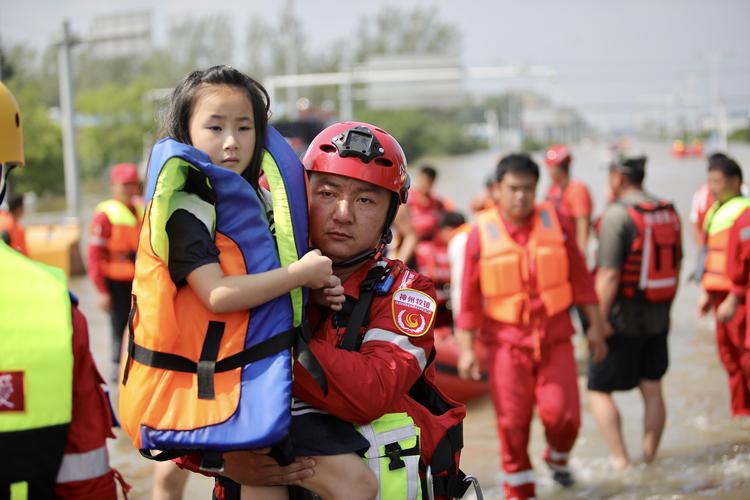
{"x":468,"y":365}
{"x":704,"y":304}
{"x":313,"y":268}
{"x":256,"y":468}
{"x":104,"y":301}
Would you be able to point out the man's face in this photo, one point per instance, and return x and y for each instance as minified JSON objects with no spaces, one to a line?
{"x":516,"y":194}
{"x":615,"y":182}
{"x":723,"y":188}
{"x":127,"y":191}
{"x":556,"y":173}
{"x":424,"y":184}
{"x":346,"y":215}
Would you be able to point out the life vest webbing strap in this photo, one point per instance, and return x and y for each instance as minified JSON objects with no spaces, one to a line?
{"x":177,"y":363}
{"x":207,"y":362}
{"x":394,"y":452}
{"x":351,"y":340}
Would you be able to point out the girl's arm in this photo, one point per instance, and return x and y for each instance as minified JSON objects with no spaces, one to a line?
{"x":221,"y":293}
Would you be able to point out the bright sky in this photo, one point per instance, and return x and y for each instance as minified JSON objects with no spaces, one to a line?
{"x":617,"y":60}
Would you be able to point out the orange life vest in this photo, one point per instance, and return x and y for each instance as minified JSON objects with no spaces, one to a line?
{"x":123,"y":241}
{"x":652,"y":264}
{"x":511,"y":275}
{"x":194,"y":379}
{"x":15,"y":232}
{"x":719,"y":221}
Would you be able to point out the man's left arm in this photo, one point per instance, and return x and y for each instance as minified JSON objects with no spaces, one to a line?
{"x":364,"y":385}
{"x":584,"y":293}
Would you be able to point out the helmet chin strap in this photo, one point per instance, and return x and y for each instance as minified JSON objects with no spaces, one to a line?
{"x":4,"y":171}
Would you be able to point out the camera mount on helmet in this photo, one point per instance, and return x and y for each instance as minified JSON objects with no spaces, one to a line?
{"x":360,"y":142}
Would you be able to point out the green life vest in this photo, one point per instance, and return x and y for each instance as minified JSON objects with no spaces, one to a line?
{"x":119,"y":214}
{"x":36,"y":344}
{"x":721,"y":216}
{"x":36,"y":373}
{"x":393,"y":456}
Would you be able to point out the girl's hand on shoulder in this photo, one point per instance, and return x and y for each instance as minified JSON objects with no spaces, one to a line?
{"x":313,"y":269}
{"x":334,"y":293}
{"x":331,"y":295}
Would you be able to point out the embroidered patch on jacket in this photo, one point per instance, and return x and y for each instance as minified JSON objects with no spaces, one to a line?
{"x":12,"y":392}
{"x":413,"y":311}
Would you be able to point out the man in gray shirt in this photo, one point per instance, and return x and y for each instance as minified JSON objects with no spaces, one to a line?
{"x":638,"y":266}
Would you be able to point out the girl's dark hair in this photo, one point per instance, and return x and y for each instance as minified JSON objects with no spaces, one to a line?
{"x":176,"y":121}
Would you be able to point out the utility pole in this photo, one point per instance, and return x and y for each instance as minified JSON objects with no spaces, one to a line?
{"x":141,"y":29}
{"x":718,"y":111}
{"x":70,"y":156}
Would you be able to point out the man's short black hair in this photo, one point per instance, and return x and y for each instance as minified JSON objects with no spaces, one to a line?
{"x":452,"y":220}
{"x":518,"y":164}
{"x":429,"y":171}
{"x":632,"y":167}
{"x":15,"y":202}
{"x":719,"y":162}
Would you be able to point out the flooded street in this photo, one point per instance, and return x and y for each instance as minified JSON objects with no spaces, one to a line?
{"x":704,"y":453}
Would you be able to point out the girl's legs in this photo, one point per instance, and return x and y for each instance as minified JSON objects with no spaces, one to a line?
{"x":264,"y":493}
{"x":342,"y":477}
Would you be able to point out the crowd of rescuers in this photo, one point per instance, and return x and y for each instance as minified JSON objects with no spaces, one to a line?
{"x":512,"y":276}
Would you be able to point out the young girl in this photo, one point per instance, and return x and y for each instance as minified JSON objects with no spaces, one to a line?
{"x":224,"y":113}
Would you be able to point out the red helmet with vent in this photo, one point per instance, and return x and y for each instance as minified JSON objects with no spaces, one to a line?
{"x":557,"y":155}
{"x":360,"y":151}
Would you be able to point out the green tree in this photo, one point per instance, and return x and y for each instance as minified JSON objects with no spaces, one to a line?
{"x":114,"y":124}
{"x":400,"y":31}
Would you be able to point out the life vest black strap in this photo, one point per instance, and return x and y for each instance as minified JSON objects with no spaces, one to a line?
{"x":207,"y":366}
{"x":394,"y":452}
{"x":360,"y":316}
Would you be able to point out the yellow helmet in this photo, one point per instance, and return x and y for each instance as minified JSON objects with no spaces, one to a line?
{"x":11,"y":135}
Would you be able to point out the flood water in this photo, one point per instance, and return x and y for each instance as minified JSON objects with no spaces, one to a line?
{"x":704,"y":452}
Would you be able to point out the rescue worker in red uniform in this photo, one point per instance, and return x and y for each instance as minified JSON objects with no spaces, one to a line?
{"x":638,"y":265}
{"x":376,"y":358}
{"x":522,"y":271}
{"x":738,"y":268}
{"x":425,"y":207}
{"x":12,"y":231}
{"x":112,"y":246}
{"x":569,"y":196}
{"x":54,"y":415}
{"x":722,"y":294}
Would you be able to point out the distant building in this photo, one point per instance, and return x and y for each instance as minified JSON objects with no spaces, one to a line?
{"x":443,"y":92}
{"x":124,"y":34}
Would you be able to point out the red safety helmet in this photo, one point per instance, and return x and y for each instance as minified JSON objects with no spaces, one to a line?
{"x":360,"y":151}
{"x":124,"y":173}
{"x":557,"y":155}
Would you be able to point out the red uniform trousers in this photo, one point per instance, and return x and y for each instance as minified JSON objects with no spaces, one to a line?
{"x":734,"y":355}
{"x":518,"y":382}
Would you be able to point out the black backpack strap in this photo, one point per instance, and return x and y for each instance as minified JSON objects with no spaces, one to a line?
{"x":360,"y":316}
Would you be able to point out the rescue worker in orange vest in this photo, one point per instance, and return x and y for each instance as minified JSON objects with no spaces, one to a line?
{"x":727,"y":300}
{"x":522,"y":271}
{"x":12,"y":231}
{"x":54,"y":415}
{"x":569,"y":196}
{"x":112,"y":246}
{"x":638,"y":264}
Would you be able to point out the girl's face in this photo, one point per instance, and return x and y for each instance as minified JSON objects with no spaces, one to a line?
{"x":222,"y":126}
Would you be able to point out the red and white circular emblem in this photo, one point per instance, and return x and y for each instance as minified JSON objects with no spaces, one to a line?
{"x":413,"y":311}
